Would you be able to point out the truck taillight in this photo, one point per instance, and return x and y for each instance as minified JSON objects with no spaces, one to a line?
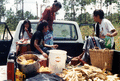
{"x":11,"y":67}
{"x":10,"y":70}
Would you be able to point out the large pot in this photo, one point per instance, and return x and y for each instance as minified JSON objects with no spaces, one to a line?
{"x":29,"y":68}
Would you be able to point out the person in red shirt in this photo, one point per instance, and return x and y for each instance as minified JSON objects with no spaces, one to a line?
{"x":49,"y":16}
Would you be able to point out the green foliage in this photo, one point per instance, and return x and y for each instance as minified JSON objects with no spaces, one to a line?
{"x":13,"y":19}
{"x":19,"y":15}
{"x":110,"y":1}
{"x":88,"y":31}
{"x":85,"y":18}
{"x":85,"y":2}
{"x":12,"y":22}
{"x":72,"y":6}
{"x":2,"y":9}
{"x":29,"y":15}
{"x":69,"y":7}
{"x":115,"y":18}
{"x":117,"y":38}
{"x":9,"y":13}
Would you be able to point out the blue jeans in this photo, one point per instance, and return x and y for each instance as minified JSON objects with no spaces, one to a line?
{"x":48,"y":37}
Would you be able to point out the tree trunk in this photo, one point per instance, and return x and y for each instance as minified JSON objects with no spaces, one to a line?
{"x":73,"y":13}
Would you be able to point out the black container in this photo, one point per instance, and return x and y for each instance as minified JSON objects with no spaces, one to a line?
{"x":116,"y":63}
{"x":29,"y":68}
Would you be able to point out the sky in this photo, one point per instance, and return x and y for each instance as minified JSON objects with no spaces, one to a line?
{"x":30,"y":5}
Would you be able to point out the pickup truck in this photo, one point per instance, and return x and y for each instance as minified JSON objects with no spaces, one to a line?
{"x":66,"y":34}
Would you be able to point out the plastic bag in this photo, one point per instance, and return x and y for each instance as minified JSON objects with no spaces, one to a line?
{"x":108,"y":42}
{"x":45,"y":77}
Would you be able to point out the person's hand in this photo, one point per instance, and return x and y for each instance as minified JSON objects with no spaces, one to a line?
{"x":17,"y":42}
{"x":26,"y":29}
{"x":108,"y":34}
{"x":102,"y":36}
{"x":55,"y":46}
{"x":45,"y":55}
{"x":25,"y":42}
{"x":20,"y":41}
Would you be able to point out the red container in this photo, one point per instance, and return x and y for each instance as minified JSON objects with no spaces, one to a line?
{"x":74,"y":61}
{"x":10,"y":70}
{"x":43,"y":62}
{"x":24,"y":48}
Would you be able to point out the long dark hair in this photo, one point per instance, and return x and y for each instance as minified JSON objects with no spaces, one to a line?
{"x":56,"y":3}
{"x":41,"y":25}
{"x":23,"y":27}
{"x":22,"y":30}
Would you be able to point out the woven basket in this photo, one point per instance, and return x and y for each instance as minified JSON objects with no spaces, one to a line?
{"x":99,"y":57}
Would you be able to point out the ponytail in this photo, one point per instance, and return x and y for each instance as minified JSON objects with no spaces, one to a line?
{"x":56,"y":3}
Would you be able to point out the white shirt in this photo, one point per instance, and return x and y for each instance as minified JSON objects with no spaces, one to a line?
{"x":106,"y":27}
{"x":25,"y":36}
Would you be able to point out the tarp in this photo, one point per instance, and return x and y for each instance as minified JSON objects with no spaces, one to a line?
{"x":45,"y":77}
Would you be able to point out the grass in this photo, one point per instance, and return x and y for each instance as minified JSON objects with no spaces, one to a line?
{"x":89,"y":31}
{"x":117,"y":38}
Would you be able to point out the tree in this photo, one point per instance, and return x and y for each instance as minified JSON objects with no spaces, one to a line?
{"x":28,"y":15}
{"x":81,"y":18}
{"x":108,"y":4}
{"x":14,"y":18}
{"x":9,"y":13}
{"x":72,"y":6}
{"x":2,"y":9}
{"x":69,"y":7}
{"x":83,"y":3}
{"x":22,"y":10}
{"x":19,"y":15}
{"x":110,"y":1}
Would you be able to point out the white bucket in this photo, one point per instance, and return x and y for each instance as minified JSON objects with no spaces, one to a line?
{"x":57,"y":60}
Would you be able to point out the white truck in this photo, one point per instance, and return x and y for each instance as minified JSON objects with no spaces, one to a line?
{"x":66,"y":34}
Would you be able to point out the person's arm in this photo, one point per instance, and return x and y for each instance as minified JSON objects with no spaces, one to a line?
{"x":114,"y":33}
{"x":45,"y":15}
{"x":39,"y":49}
{"x":51,"y":46}
{"x":111,"y":29}
{"x":29,"y":34}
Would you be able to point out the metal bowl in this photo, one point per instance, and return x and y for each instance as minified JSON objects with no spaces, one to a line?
{"x":29,"y":68}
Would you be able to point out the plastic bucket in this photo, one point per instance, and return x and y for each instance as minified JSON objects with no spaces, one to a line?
{"x":57,"y":60}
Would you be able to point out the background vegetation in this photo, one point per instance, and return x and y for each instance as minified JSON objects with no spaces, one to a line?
{"x":88,"y":31}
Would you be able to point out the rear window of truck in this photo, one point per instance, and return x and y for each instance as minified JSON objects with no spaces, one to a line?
{"x":61,"y":31}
